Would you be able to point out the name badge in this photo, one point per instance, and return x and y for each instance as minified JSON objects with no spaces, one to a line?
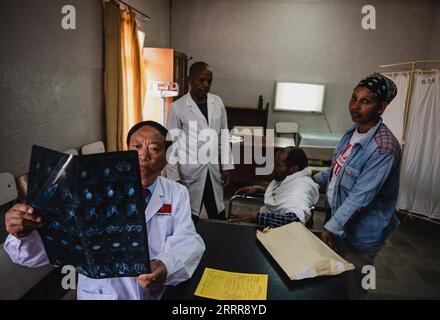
{"x":166,"y":209}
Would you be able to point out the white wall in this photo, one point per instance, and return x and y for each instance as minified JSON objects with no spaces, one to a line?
{"x":434,"y":48}
{"x":158,"y":28}
{"x":51,"y":79}
{"x":252,"y":43}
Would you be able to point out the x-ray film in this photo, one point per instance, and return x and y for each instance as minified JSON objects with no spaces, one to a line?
{"x":92,"y":210}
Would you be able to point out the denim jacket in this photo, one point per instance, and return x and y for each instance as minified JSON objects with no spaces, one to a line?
{"x":366,"y":189}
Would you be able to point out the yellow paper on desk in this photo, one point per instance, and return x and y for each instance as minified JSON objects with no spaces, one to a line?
{"x":224,"y":285}
{"x":300,"y":253}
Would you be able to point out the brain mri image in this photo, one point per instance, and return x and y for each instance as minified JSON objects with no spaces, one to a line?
{"x":92,"y":210}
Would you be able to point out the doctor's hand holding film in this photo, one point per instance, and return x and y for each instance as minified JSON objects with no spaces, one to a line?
{"x":20,"y":220}
{"x":156,"y":278}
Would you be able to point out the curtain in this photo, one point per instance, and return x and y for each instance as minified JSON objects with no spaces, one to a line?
{"x":420,"y":174}
{"x":124,"y":75}
{"x":395,"y":111}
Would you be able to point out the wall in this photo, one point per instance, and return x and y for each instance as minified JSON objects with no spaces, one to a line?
{"x":252,"y":43}
{"x":434,"y":48}
{"x":158,"y":28}
{"x":51,"y":79}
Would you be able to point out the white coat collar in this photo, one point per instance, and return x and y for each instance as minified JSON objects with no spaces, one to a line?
{"x":156,"y":201}
{"x":196,"y":110}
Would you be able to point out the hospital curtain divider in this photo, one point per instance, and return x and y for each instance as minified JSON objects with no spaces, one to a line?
{"x":419,"y":194}
{"x":394,"y":113}
{"x":125,"y":83}
{"x":420,"y":172}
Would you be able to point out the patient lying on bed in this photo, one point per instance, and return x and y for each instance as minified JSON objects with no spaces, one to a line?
{"x":288,"y":197}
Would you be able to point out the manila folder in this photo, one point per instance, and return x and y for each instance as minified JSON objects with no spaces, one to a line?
{"x":300,"y":253}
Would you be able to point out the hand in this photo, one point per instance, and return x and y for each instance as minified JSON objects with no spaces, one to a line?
{"x":327,"y":237}
{"x":20,"y":220}
{"x":249,"y":190}
{"x":156,"y":278}
{"x":243,"y":217}
{"x":225,"y":178}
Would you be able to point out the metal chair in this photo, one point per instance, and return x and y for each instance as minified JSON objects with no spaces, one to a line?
{"x":252,"y":196}
{"x":260,"y":197}
{"x":8,"y":189}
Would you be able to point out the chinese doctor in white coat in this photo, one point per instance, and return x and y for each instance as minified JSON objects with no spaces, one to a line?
{"x":174,"y":246}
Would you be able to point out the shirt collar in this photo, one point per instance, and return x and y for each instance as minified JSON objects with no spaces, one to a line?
{"x":369,"y":134}
{"x":152,"y":186}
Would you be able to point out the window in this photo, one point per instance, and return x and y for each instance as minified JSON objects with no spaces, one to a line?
{"x":299,"y":97}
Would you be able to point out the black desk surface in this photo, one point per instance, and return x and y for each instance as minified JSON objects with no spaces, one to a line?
{"x":235,"y":248}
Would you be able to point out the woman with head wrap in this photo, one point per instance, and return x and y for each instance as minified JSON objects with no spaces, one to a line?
{"x":362,"y":183}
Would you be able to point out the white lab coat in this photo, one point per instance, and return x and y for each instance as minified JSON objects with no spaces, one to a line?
{"x":193,"y":176}
{"x":172,"y":239}
{"x":297,"y":193}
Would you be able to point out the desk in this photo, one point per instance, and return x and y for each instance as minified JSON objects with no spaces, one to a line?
{"x":235,"y":248}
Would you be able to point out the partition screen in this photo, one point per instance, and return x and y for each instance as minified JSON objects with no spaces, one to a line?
{"x":299,"y":97}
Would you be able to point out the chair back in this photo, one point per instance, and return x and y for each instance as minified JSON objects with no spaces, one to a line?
{"x":94,"y":147}
{"x":8,"y":188}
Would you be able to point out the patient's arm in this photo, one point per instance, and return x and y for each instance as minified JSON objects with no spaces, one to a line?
{"x":250,"y":190}
{"x":274,"y":220}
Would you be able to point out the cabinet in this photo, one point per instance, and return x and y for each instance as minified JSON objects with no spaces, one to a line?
{"x":163,"y":64}
{"x":246,"y":117}
{"x":180,"y":73}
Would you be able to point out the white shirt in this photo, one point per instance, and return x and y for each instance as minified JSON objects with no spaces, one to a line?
{"x":296,"y":193}
{"x":339,"y":163}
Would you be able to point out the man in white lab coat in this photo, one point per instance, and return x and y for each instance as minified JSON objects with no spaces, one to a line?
{"x":174,"y":246}
{"x":191,"y":116}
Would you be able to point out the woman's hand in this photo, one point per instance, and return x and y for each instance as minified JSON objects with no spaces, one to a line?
{"x":156,"y":278}
{"x":20,"y":220}
{"x":327,"y":237}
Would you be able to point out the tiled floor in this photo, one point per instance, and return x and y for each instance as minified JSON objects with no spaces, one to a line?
{"x":408,"y":267}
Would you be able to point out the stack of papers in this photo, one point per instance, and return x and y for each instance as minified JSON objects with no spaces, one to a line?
{"x":224,"y":285}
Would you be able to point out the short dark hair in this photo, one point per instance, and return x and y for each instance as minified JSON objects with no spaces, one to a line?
{"x":162,"y":130}
{"x":196,"y":67}
{"x":296,"y":157}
